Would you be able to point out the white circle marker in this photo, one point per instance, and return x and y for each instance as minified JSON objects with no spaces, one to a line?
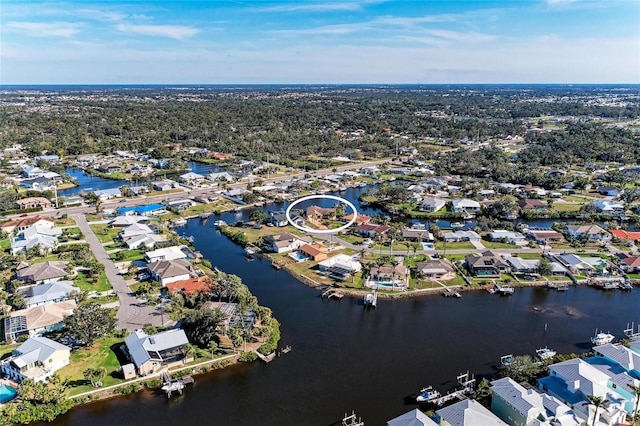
{"x":322,"y":231}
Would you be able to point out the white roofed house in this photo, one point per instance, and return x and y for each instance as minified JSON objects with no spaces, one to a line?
{"x":285,"y":242}
{"x":610,"y":207}
{"x":38,"y":358}
{"x":465,"y":205}
{"x":468,"y":412}
{"x":42,"y":294}
{"x":191,"y":178}
{"x":135,"y":230}
{"x":153,"y":353}
{"x":128,"y":220}
{"x":145,"y":240}
{"x":436,"y":269}
{"x":510,"y":237}
{"x":107,"y":194}
{"x":166,"y":253}
{"x":591,"y":232}
{"x":220,"y":177}
{"x":523,"y":266}
{"x":43,"y":237}
{"x":414,"y":417}
{"x":432,"y":204}
{"x":340,"y":266}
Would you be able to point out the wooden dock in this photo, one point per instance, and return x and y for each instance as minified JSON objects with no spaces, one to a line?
{"x":266,"y":358}
{"x":451,"y":293}
{"x":352,"y":420}
{"x":170,"y":385}
{"x":467,"y":384}
{"x":333,"y":293}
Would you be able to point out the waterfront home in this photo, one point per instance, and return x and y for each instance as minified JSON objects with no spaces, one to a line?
{"x":232,"y":315}
{"x":153,"y":353}
{"x":144,"y":210}
{"x":168,"y":271}
{"x":465,"y":205}
{"x":523,"y":266}
{"x":417,"y":234}
{"x":436,"y":269}
{"x":42,"y":237}
{"x":107,"y":194}
{"x":37,"y":320}
{"x":315,"y":251}
{"x":43,"y":273}
{"x":165,"y":253}
{"x":625,"y":235}
{"x":532,"y":204}
{"x":360,"y":218}
{"x":191,"y":178}
{"x":147,"y":241}
{"x":609,"y":207}
{"x":278,"y":218}
{"x":164,"y":185}
{"x":340,"y":266}
{"x":315,"y":213}
{"x":30,"y":172}
{"x":467,"y":412}
{"x":544,"y":236}
{"x":124,"y":221}
{"x":573,"y":381}
{"x":459,"y":236}
{"x":38,"y":358}
{"x":621,"y":356}
{"x":630,"y":264}
{"x":192,"y":285}
{"x":135,"y":230}
{"x":389,"y":272}
{"x":33,"y":203}
{"x":38,"y":184}
{"x":136,"y":190}
{"x":220,"y":176}
{"x":414,"y":417}
{"x":515,"y":238}
{"x":181,"y":204}
{"x":582,"y":265}
{"x":43,"y":294}
{"x":591,"y":232}
{"x":520,"y":406}
{"x":371,"y":229}
{"x":108,"y":168}
{"x":285,"y":242}
{"x":609,"y":191}
{"x":486,"y":264}
{"x":23,"y":223}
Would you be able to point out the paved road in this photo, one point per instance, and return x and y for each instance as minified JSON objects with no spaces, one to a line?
{"x":131,"y":315}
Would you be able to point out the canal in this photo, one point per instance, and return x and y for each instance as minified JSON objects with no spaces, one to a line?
{"x":347,"y":358}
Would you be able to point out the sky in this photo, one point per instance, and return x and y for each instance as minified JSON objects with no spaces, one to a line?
{"x":316,"y":42}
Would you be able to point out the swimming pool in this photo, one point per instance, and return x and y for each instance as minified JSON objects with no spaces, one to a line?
{"x":7,"y":393}
{"x":297,"y":256}
{"x":386,"y":285}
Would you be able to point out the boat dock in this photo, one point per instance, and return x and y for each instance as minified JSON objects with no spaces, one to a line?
{"x":557,"y":286}
{"x":332,"y":293}
{"x":466,"y":381}
{"x":371,"y":299}
{"x":174,"y":385}
{"x":504,"y":290}
{"x":352,"y":420}
{"x":451,"y":293}
{"x":266,"y":358}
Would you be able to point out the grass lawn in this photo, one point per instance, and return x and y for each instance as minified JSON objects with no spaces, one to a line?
{"x":464,"y":245}
{"x":5,"y":244}
{"x":104,"y":233}
{"x":129,"y":255}
{"x":67,"y":221}
{"x":102,"y":300}
{"x":634,"y":276}
{"x":536,"y":256}
{"x":6,"y":349}
{"x":565,"y":207}
{"x":101,"y":354}
{"x":90,"y":284}
{"x":455,"y":257}
{"x":385,"y":249}
{"x":353,"y":239}
{"x":51,"y":257}
{"x":496,"y":245}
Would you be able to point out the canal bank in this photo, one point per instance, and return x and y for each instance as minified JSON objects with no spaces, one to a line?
{"x":373,"y":361}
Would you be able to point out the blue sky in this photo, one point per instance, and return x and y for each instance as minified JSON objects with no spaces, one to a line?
{"x":326,"y":41}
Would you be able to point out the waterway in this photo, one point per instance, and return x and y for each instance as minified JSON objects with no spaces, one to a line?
{"x":347,"y":358}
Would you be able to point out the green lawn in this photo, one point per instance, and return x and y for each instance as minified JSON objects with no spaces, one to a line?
{"x":634,"y":276}
{"x":104,"y":233}
{"x":564,"y":207}
{"x":50,"y":258}
{"x":129,"y":255}
{"x":465,"y":245}
{"x":353,"y":239}
{"x":527,"y":255}
{"x":6,"y":349}
{"x":90,"y":284}
{"x":101,"y":354}
{"x":5,"y":244}
{"x":496,"y":245}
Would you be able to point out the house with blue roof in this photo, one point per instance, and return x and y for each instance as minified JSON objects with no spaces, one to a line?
{"x":620,"y":355}
{"x":145,"y":210}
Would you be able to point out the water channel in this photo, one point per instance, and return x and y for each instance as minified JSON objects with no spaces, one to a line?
{"x":347,"y":358}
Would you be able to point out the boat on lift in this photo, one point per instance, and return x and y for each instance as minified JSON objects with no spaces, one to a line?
{"x":427,"y":394}
{"x":545,"y":353}
{"x":602,"y":338}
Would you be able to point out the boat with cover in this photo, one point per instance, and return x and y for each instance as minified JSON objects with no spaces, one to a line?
{"x":545,"y":353}
{"x":601,"y":338}
{"x":427,"y":394}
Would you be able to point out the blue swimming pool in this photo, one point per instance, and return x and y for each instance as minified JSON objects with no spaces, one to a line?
{"x":297,"y":256}
{"x":7,"y":393}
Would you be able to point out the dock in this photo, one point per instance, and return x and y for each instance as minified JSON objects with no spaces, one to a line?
{"x":451,"y":293}
{"x":332,"y":293}
{"x":286,"y":349}
{"x":467,"y":384}
{"x":371,"y":300}
{"x":557,"y":286}
{"x":266,"y":358}
{"x":352,"y":420}
{"x":170,"y":385}
{"x":504,"y":290}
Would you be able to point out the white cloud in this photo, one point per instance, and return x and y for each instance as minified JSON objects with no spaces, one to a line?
{"x":471,"y":37}
{"x":329,"y":6}
{"x":177,"y":32}
{"x":44,"y":29}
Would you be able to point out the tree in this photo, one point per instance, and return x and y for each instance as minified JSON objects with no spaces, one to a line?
{"x":636,"y":391}
{"x":89,"y":322}
{"x":187,"y":352}
{"x":200,"y":326}
{"x":213,"y":348}
{"x":94,"y":375}
{"x":544,"y":267}
{"x":258,"y":216}
{"x":597,"y":401}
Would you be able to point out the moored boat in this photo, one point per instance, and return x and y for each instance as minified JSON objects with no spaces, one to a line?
{"x":545,"y":353}
{"x":601,"y":338}
{"x":219,"y":223}
{"x":427,"y":394}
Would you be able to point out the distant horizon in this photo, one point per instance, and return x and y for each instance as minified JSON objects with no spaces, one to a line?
{"x":381,"y":85}
{"x":335,"y":41}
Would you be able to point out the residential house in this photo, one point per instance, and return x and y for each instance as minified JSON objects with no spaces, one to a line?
{"x":199,"y":284}
{"x":278,"y":218}
{"x":34,"y":203}
{"x":147,"y":241}
{"x":107,"y":194}
{"x":523,"y":266}
{"x":582,"y":265}
{"x":165,"y":185}
{"x":573,"y":381}
{"x":591,"y":232}
{"x":165,"y":253}
{"x":465,"y":205}
{"x":486,"y":264}
{"x":124,"y":221}
{"x":417,"y":234}
{"x":191,"y":178}
{"x":38,"y":358}
{"x":21,"y":224}
{"x":625,"y":235}
{"x":467,"y":412}
{"x":544,"y":236}
{"x":389,"y":272}
{"x":135,"y":230}
{"x":315,"y":251}
{"x":153,"y":353}
{"x":37,"y":320}
{"x":285,"y":241}
{"x":459,"y":236}
{"x":371,"y":229}
{"x":621,"y":356}
{"x":609,"y":191}
{"x":169,"y":271}
{"x":340,"y":266}
{"x":517,"y":405}
{"x":220,"y":177}
{"x":43,"y":273}
{"x":414,"y":417}
{"x":530,"y":204}
{"x":145,"y":210}
{"x":42,"y":237}
{"x":609,"y":207}
{"x":39,"y":184}
{"x":630,"y":264}
{"x":360,"y":218}
{"x":436,"y":269}
{"x":30,"y":172}
{"x":233,"y":316}
{"x":181,"y":204}
{"x":432,"y":205}
{"x":43,"y":294}
{"x":109,"y":168}
{"x":507,"y":236}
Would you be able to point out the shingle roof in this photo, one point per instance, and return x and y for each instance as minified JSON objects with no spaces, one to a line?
{"x":43,"y":271}
{"x":139,"y":343}
{"x":170,"y":268}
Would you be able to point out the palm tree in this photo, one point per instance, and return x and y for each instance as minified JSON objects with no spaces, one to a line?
{"x":636,"y":390}
{"x":598,"y":401}
{"x":187,"y":351}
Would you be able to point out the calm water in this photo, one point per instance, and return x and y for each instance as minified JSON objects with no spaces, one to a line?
{"x":347,"y":358}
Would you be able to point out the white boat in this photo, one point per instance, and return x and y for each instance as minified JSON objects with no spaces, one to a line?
{"x":362,"y":185}
{"x":371,"y":299}
{"x":457,"y":225}
{"x":250,"y":251}
{"x":468,"y":216}
{"x":506,"y":359}
{"x":427,"y":394}
{"x":545,"y":353}
{"x":602,"y":338}
{"x":219,"y":223}
{"x":179,"y":222}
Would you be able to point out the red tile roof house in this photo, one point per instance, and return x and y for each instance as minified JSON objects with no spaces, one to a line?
{"x":192,"y":285}
{"x":371,"y":229}
{"x":630,"y":264}
{"x":625,"y":235}
{"x":530,"y":204}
